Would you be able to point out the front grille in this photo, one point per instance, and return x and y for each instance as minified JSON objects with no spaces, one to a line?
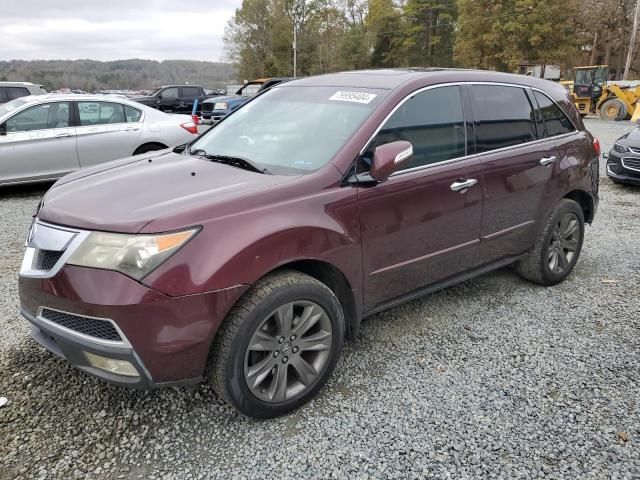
{"x":93,"y":327}
{"x":631,"y":163}
{"x":47,"y":259}
{"x":207,"y":107}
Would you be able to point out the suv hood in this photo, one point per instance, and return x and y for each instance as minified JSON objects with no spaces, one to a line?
{"x":630,"y":139}
{"x":125,"y":195}
{"x":224,"y":98}
{"x":148,"y":99}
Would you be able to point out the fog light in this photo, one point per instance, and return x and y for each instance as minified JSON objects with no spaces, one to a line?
{"x":120,"y":367}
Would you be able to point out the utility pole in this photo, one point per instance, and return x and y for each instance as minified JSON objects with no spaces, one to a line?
{"x":295,"y":48}
{"x":632,"y":41}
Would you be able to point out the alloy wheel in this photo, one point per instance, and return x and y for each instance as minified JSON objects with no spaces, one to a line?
{"x":563,"y":245}
{"x":288,"y":351}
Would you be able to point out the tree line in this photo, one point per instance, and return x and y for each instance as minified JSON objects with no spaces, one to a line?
{"x":335,"y":35}
{"x":90,"y":75}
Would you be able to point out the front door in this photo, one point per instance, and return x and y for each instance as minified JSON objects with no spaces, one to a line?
{"x":169,"y":99}
{"x":422,"y":225}
{"x":39,"y":143}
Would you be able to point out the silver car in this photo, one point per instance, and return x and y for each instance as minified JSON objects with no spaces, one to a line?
{"x":44,"y":137}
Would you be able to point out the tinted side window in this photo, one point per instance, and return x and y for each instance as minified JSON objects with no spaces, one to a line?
{"x":170,"y":92}
{"x":40,"y":117}
{"x":3,"y":96}
{"x":16,"y":92}
{"x":100,"y":113}
{"x":132,"y":114}
{"x":555,"y":121}
{"x":503,"y":115}
{"x":190,"y":92}
{"x":433,"y":121}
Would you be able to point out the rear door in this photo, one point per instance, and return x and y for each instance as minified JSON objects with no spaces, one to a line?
{"x":518,"y":164}
{"x":104,"y":133}
{"x":187,"y":97}
{"x":40,"y":143}
{"x":418,"y":227}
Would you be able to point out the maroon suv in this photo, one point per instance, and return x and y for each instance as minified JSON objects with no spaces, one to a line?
{"x":248,"y":256}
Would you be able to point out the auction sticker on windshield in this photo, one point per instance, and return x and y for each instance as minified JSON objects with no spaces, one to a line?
{"x":357,"y":97}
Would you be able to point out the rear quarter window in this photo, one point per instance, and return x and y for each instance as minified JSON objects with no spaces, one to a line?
{"x":503,"y":117}
{"x":16,"y":92}
{"x":555,"y":120}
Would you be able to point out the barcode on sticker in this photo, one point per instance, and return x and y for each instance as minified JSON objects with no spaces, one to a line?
{"x":357,"y":97}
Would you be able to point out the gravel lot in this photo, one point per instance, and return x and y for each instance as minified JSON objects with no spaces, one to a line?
{"x":493,"y":378}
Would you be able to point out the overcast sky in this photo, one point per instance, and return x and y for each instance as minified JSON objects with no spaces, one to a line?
{"x":114,"y":29}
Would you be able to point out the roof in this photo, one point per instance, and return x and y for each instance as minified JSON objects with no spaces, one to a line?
{"x":78,"y":97}
{"x":24,"y":84}
{"x":391,"y":79}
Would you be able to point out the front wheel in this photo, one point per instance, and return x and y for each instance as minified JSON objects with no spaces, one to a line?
{"x":557,"y":247}
{"x":278,"y":346}
{"x":613,"y":109}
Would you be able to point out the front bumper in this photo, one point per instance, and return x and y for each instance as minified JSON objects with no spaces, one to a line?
{"x":620,"y":171}
{"x":67,"y":345}
{"x":213,"y":116}
{"x":166,"y":339}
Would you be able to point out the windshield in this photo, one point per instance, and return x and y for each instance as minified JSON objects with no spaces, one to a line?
{"x":592,"y":76}
{"x":11,"y":106}
{"x":292,"y":130}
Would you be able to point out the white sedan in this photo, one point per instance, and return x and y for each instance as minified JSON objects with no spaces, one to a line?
{"x":44,"y":137}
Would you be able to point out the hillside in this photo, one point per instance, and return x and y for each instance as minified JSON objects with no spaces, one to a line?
{"x":131,"y":74}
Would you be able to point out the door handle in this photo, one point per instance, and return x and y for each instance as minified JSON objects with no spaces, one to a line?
{"x":462,"y":185}
{"x":132,"y":129}
{"x":63,"y":135}
{"x":547,"y":160}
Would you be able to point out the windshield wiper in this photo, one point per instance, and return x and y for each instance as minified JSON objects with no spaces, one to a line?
{"x":239,"y":162}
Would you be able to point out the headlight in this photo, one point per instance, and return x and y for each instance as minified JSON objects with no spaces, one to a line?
{"x":620,"y":148}
{"x":133,"y":255}
{"x":220,"y":106}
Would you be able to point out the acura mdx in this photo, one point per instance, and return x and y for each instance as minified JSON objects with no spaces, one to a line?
{"x":247,"y":257}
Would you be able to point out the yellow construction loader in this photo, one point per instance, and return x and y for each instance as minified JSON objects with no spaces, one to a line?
{"x":592,"y":93}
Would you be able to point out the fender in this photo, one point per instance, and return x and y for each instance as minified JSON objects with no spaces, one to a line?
{"x":240,"y":249}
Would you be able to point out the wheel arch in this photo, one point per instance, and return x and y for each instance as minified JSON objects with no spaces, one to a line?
{"x":148,"y":143}
{"x":585,"y":201}
{"x":337,"y":282}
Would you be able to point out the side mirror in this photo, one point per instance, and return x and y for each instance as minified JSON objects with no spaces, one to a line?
{"x":389,"y":158}
{"x":3,"y":129}
{"x":180,"y":148}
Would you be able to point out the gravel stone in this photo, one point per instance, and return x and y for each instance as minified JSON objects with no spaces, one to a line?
{"x":492,"y":378}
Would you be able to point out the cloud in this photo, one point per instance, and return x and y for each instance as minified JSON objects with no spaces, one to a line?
{"x":119,"y":29}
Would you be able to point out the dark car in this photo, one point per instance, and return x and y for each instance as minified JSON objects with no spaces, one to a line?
{"x":250,"y":256}
{"x":217,"y":108}
{"x":175,"y":98}
{"x":623,"y":161}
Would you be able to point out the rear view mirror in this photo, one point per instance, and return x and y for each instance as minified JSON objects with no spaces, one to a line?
{"x":389,"y":158}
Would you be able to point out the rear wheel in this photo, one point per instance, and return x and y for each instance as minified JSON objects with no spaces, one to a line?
{"x":278,"y":345}
{"x":557,"y":247}
{"x":613,"y":109}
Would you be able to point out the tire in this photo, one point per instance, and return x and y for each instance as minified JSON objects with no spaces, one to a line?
{"x":538,"y":265}
{"x":149,"y":147}
{"x":250,"y":341}
{"x":613,"y":109}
